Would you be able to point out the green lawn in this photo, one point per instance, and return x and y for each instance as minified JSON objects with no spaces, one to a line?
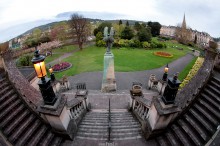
{"x":126,"y":59}
{"x":59,"y":52}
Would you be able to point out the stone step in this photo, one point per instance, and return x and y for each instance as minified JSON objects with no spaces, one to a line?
{"x":16,"y":122}
{"x":211,"y":94}
{"x":173,"y":140}
{"x":125,"y":126}
{"x":126,"y":137}
{"x":2,"y":80}
{"x":8,"y":109}
{"x":182,"y":136}
{"x":5,"y":90}
{"x":163,"y":141}
{"x":206,"y":114}
{"x":216,"y":79}
{"x":46,"y":139}
{"x":9,"y":100}
{"x":11,"y":117}
{"x":201,"y":131}
{"x":3,"y":85}
{"x":136,"y":129}
{"x":56,"y":141}
{"x":211,"y":100}
{"x":214,"y":88}
{"x":6,"y":95}
{"x":211,"y":109}
{"x":202,"y":120}
{"x":31,"y":132}
{"x":94,"y":123}
{"x":19,"y":131}
{"x":104,"y":130}
{"x":190,"y":132}
{"x":92,"y":138}
{"x":93,"y":126}
{"x":35,"y":138}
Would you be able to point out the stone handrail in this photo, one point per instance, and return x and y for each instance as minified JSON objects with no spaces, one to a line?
{"x":191,"y":90}
{"x":28,"y":93}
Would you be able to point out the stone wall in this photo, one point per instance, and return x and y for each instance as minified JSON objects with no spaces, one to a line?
{"x":29,"y":94}
{"x":191,"y":90}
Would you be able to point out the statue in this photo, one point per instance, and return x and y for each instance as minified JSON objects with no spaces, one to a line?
{"x":108,"y":38}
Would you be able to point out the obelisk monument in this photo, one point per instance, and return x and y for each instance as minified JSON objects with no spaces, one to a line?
{"x":108,"y":80}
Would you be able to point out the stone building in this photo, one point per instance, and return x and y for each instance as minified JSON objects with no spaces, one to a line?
{"x":200,"y":38}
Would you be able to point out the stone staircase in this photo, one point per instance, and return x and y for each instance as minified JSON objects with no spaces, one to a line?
{"x":18,"y":123}
{"x":200,"y":122}
{"x":94,"y":126}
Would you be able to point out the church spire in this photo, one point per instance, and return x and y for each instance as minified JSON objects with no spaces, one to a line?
{"x":184,"y":22}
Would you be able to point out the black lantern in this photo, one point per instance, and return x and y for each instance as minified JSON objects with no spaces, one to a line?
{"x":171,"y":89}
{"x":165,"y":73}
{"x":52,"y":76}
{"x":44,"y":84}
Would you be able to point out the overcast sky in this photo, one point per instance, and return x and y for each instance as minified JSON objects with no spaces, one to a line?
{"x":202,"y":15}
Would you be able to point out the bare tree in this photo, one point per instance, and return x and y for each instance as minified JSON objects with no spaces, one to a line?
{"x":80,"y":28}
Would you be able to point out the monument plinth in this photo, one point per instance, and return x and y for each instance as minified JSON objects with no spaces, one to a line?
{"x":108,"y":80}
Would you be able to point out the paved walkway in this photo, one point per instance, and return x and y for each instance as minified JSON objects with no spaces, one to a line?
{"x":124,"y":80}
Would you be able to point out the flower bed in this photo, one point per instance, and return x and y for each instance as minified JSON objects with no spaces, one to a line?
{"x":163,"y":54}
{"x":61,"y":66}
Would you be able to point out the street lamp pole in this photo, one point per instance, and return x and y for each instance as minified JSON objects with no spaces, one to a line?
{"x":44,"y":84}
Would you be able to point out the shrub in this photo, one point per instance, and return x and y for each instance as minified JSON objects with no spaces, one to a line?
{"x":192,"y":72}
{"x":25,"y":60}
{"x":146,"y":45}
{"x":100,"y":43}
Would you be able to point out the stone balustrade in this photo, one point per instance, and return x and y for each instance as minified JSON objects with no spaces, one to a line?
{"x":140,"y":107}
{"x":77,"y":110}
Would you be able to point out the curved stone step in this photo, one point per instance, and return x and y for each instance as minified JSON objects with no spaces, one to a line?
{"x":163,"y":141}
{"x":206,"y":114}
{"x":8,"y":101}
{"x":5,"y":90}
{"x":10,"y":117}
{"x":3,"y":84}
{"x":203,"y":121}
{"x":211,"y":100}
{"x":31,"y":132}
{"x":190,"y":132}
{"x":197,"y":127}
{"x":16,"y":122}
{"x":56,"y":141}
{"x":212,"y":94}
{"x":46,"y":139}
{"x":210,"y":108}
{"x":9,"y":108}
{"x":173,"y":140}
{"x":37,"y":136}
{"x":181,"y":135}
{"x":23,"y":128}
{"x":6,"y":95}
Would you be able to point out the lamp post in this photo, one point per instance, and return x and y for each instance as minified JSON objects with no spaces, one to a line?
{"x":165,"y":73}
{"x":52,"y":76}
{"x":171,"y":90}
{"x":44,"y":84}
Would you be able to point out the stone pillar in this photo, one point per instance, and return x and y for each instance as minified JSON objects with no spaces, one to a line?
{"x":160,"y":115}
{"x":108,"y":80}
{"x":58,"y":117}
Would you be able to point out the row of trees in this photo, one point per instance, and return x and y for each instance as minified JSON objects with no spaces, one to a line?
{"x":138,"y":32}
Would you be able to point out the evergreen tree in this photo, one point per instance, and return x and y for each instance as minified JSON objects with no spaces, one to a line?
{"x":120,"y":22}
{"x":127,"y":33}
{"x":127,"y":23}
{"x":144,"y":34}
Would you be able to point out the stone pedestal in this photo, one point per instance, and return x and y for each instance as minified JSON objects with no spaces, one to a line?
{"x":58,"y":117}
{"x":108,"y":81}
{"x":160,"y":115}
